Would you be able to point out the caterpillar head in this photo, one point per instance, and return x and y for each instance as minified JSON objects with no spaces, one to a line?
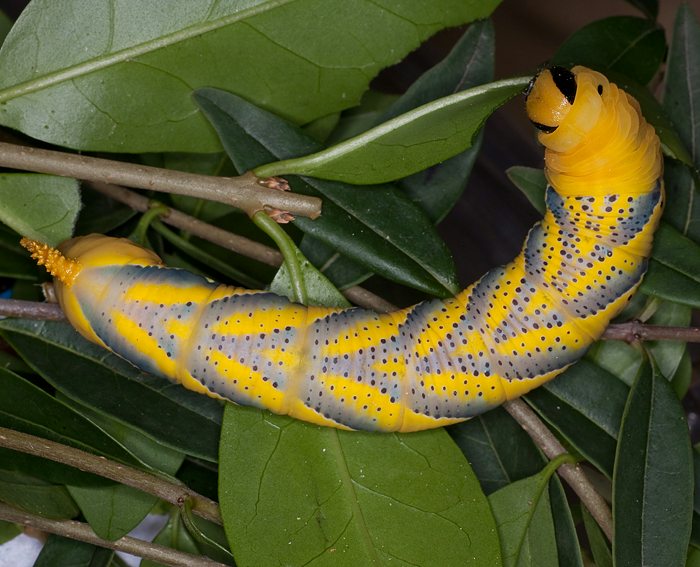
{"x":70,"y":266}
{"x":564,"y":105}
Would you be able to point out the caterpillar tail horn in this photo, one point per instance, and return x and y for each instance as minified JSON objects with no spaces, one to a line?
{"x":65,"y":269}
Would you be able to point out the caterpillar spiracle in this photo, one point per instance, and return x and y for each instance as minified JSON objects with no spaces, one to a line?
{"x":433,"y":364}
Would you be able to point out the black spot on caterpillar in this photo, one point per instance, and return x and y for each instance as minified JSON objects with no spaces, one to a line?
{"x":429,"y":365}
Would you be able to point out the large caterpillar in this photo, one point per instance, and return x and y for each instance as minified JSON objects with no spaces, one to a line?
{"x":433,"y":364}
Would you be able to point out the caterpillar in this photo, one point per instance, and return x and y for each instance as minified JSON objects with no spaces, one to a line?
{"x":433,"y":364}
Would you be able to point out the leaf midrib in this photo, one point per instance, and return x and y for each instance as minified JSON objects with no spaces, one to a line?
{"x":103,"y":61}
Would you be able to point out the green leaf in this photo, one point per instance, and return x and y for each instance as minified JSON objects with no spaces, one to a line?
{"x":596,"y":539}
{"x":631,"y":46}
{"x":676,"y":251}
{"x":319,"y":290}
{"x":95,"y":92}
{"x":336,"y":267}
{"x":36,"y":496}
{"x":653,"y":478}
{"x":43,"y":207}
{"x":524,"y":520}
{"x":173,"y":535}
{"x":500,"y":453}
{"x":14,"y":261}
{"x":532,"y":182}
{"x":152,"y":405}
{"x":62,"y":551}
{"x":585,"y":405}
{"x":683,"y":79}
{"x":403,"y":246}
{"x":112,"y":511}
{"x":498,"y":449}
{"x":293,"y":493}
{"x":406,"y":144}
{"x":5,"y":26}
{"x":568,"y":547}
{"x":27,"y":408}
{"x":666,"y":283}
{"x":8,"y":531}
{"x":101,"y":214}
{"x":470,"y":63}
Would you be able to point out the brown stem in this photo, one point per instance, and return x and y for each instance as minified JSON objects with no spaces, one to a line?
{"x":635,"y":331}
{"x":572,"y":474}
{"x":245,"y":192}
{"x":83,"y":532}
{"x":30,"y":310}
{"x":170,"y":492}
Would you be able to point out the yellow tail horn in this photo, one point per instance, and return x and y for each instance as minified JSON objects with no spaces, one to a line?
{"x":55,"y":263}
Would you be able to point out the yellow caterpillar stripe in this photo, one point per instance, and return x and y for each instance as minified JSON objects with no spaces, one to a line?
{"x":432,"y":364}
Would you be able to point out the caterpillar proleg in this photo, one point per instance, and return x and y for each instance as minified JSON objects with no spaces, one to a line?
{"x":433,"y":364}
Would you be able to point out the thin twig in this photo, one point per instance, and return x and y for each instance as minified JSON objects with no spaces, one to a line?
{"x":83,"y":532}
{"x":176,"y":494}
{"x":635,"y":331}
{"x":572,"y":474}
{"x":245,"y":192}
{"x":30,"y":310}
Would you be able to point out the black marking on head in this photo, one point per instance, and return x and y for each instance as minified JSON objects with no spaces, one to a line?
{"x":543,"y":127}
{"x":565,"y":82}
{"x":600,"y":90}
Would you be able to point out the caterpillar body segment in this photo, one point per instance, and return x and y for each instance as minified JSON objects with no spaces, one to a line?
{"x":429,"y":365}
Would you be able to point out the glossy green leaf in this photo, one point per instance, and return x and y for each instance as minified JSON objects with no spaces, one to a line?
{"x":36,"y":496}
{"x":500,"y":452}
{"x":568,"y":547}
{"x":525,"y":523}
{"x":14,"y":260}
{"x":532,"y":182}
{"x":436,"y":189}
{"x":470,"y":63}
{"x":682,"y":104}
{"x":112,"y":511}
{"x":43,"y":207}
{"x":664,"y":282}
{"x":628,"y":45}
{"x":683,"y":79}
{"x":101,"y":214}
{"x":403,"y":246}
{"x":406,"y":144}
{"x":297,"y":494}
{"x":653,"y":478}
{"x":682,"y":209}
{"x":585,"y":405}
{"x":173,"y":535}
{"x":94,"y":93}
{"x":153,"y":405}
{"x":498,"y":449}
{"x":676,"y":251}
{"x":8,"y":531}
{"x":43,"y":415}
{"x":596,"y":540}
{"x":320,"y":291}
{"x":69,"y":552}
{"x":5,"y":26}
{"x":340,"y":270}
